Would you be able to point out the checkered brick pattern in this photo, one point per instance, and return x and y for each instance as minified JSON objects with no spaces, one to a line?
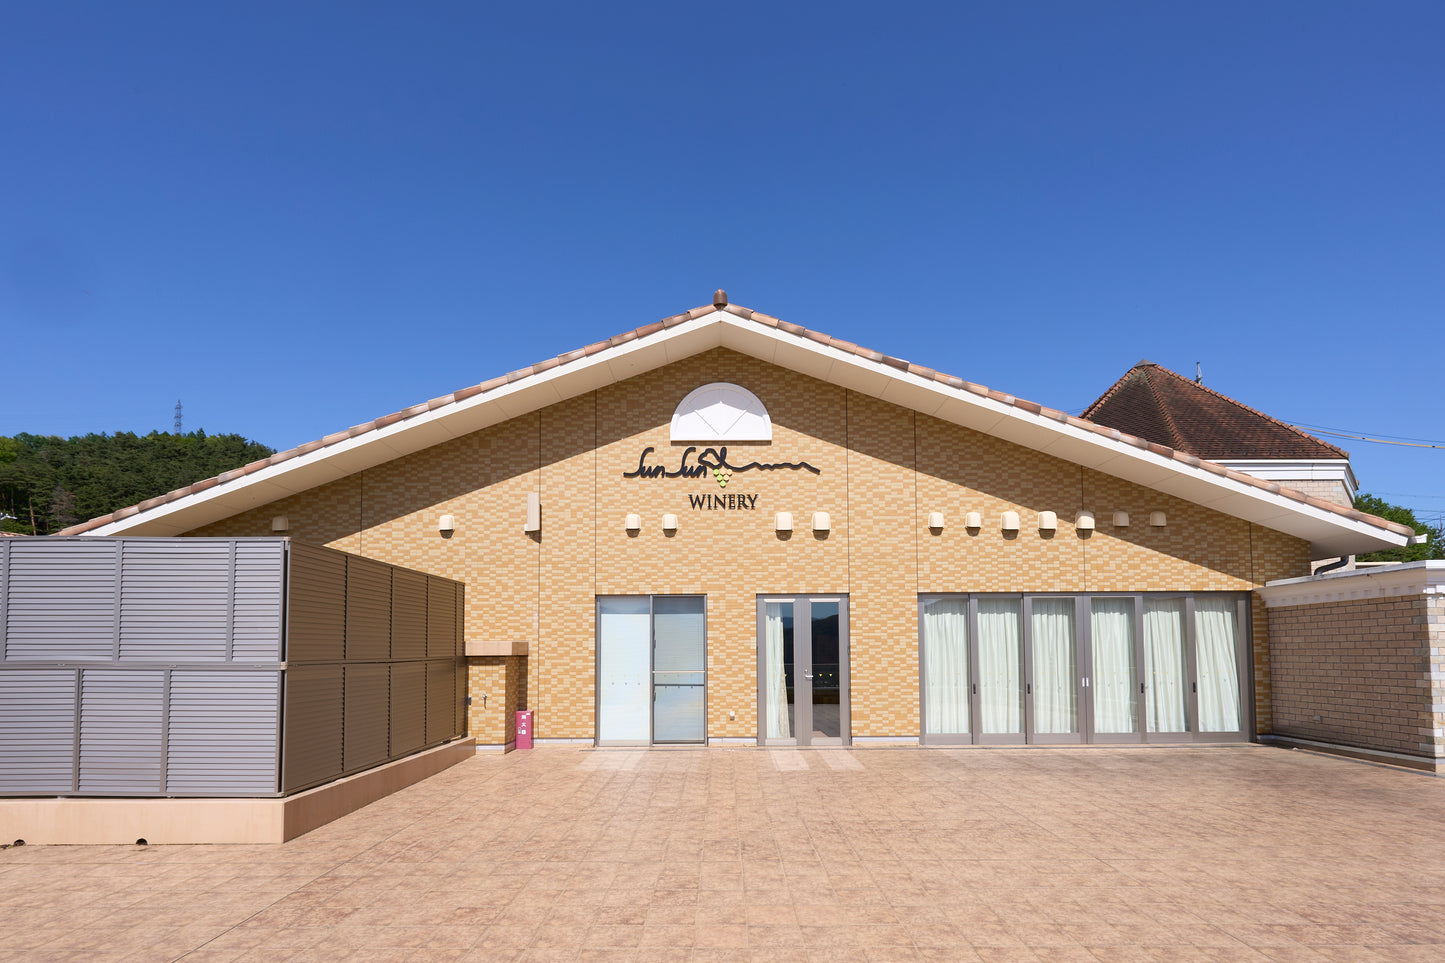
{"x":882,"y":470}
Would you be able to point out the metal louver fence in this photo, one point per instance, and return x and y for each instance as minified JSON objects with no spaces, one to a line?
{"x":216,"y":667}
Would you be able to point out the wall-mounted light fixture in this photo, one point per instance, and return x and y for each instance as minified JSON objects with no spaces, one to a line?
{"x":783,"y":522}
{"x":1157,"y":520}
{"x":1010,"y":521}
{"x":534,"y":513}
{"x":973,"y":520}
{"x":1084,"y":521}
{"x":1048,"y":521}
{"x":821,"y":522}
{"x":669,"y":523}
{"x":1121,"y":519}
{"x":280,"y":524}
{"x":633,"y":522}
{"x":935,"y":521}
{"x":447,"y":523}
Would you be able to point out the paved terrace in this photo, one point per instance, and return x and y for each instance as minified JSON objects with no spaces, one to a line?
{"x":1243,"y":853}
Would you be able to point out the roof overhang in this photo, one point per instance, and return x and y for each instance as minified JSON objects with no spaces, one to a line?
{"x":1326,"y":528}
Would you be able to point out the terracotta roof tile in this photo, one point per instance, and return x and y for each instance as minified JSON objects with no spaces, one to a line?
{"x":1160,"y":426}
{"x":1155,"y":403}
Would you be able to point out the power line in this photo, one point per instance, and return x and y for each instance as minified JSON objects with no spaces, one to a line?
{"x":1398,"y":440}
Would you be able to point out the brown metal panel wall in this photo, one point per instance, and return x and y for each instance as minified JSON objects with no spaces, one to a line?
{"x":408,"y":707}
{"x":441,"y":694}
{"x":368,"y":610}
{"x":316,"y":613}
{"x":367,"y":715}
{"x":441,"y":617}
{"x":312,"y":727}
{"x":408,"y":614}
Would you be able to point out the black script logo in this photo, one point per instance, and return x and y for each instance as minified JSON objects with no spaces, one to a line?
{"x":710,"y":461}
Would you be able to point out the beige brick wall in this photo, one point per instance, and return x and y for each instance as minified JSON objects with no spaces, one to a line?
{"x":1363,"y":672}
{"x":882,"y":470}
{"x":498,"y":687}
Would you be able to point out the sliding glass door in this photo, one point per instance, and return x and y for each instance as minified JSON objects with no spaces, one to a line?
{"x":1119,"y":668}
{"x":651,"y":670}
{"x":802,"y":670}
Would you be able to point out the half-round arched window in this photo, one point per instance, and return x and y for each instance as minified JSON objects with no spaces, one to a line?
{"x":721,"y":412}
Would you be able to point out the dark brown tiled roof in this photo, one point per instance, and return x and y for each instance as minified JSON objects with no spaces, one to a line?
{"x":1157,"y":404}
{"x":720,"y":303}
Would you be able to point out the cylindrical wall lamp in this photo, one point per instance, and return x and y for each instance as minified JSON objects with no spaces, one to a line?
{"x":633,"y":522}
{"x":447,"y":523}
{"x":973,"y":520}
{"x":280,"y":524}
{"x":783,"y":522}
{"x":1121,"y":519}
{"x":1010,"y":521}
{"x":1156,"y":519}
{"x":1048,"y":521}
{"x":935,"y":520}
{"x":669,"y":523}
{"x":1084,"y":521}
{"x":821,"y":522}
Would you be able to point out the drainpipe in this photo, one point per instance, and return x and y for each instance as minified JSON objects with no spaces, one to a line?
{"x":1340,"y":563}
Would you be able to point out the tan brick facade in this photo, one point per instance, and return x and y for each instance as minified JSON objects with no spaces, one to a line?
{"x":882,"y":469}
{"x":1361,"y":666}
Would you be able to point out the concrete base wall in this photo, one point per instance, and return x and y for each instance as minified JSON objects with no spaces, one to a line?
{"x":161,"y":821}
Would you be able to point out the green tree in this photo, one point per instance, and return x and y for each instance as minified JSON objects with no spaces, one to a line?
{"x":61,"y":481}
{"x":1434,"y":548}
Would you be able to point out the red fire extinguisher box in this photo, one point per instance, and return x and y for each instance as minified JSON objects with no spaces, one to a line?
{"x":524,"y":729}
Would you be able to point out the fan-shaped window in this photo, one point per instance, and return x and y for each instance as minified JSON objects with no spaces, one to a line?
{"x":721,"y":412}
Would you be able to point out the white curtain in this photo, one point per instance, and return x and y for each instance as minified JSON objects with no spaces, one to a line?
{"x":1164,"y":665}
{"x":778,"y":711}
{"x":945,"y":663}
{"x":1216,"y":632}
{"x":1115,"y":707}
{"x":1055,"y":688}
{"x":1000,"y":664}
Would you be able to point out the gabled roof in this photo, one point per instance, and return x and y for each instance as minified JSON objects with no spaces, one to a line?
{"x":1158,"y":405}
{"x":1330,"y":528}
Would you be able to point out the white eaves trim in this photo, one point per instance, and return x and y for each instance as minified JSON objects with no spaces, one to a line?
{"x":1328,"y":533}
{"x":1407,"y":578}
{"x":1297,"y":469}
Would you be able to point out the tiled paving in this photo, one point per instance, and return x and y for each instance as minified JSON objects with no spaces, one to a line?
{"x":1242,"y":853}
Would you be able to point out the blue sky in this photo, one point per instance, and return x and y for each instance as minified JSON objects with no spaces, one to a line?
{"x":298,"y":217}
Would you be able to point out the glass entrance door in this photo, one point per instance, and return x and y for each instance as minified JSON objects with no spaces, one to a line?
{"x":802,"y":671}
{"x":651,"y":670}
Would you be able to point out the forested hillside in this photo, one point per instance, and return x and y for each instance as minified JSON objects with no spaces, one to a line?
{"x":49,"y":483}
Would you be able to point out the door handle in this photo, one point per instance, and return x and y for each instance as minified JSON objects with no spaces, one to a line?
{"x":807,"y":675}
{"x":1141,"y":688}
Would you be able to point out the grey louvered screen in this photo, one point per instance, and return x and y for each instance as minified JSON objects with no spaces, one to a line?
{"x":441,"y":693}
{"x":368,"y":609}
{"x":61,"y":604}
{"x":121,"y":730}
{"x":408,"y":707}
{"x":313,"y":726}
{"x":316,"y":607}
{"x":408,"y":614}
{"x":175,"y":600}
{"x":441,"y":618}
{"x":368,"y":716}
{"x":260,"y":591}
{"x":223,"y":732}
{"x":37,"y":718}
